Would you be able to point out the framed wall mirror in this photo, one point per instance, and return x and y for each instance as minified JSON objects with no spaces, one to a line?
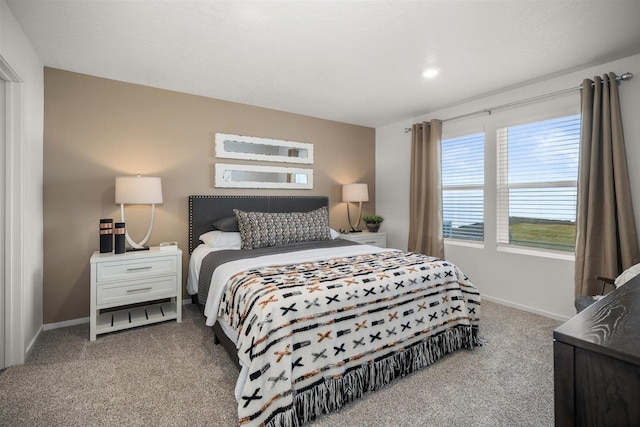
{"x":253,"y":176}
{"x":263,"y":149}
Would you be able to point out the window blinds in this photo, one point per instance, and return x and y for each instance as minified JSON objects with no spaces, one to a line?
{"x":463,"y":187}
{"x":537,"y":183}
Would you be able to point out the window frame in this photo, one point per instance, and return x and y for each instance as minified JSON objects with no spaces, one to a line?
{"x":461,"y":133}
{"x":503,"y":187}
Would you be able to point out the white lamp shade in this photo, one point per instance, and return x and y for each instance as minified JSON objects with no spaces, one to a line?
{"x":138,"y":190}
{"x":356,"y":192}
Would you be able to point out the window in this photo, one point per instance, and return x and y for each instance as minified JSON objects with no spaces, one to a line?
{"x":537,"y":183}
{"x":463,"y":187}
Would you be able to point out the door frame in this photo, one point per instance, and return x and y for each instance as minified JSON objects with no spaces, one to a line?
{"x":14,"y":182}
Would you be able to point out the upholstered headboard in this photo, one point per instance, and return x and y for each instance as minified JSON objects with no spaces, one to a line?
{"x":204,"y":210}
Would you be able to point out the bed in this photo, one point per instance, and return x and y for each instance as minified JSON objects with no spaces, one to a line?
{"x":314,"y":321}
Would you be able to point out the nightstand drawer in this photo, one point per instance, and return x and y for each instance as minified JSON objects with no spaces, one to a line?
{"x":141,"y":290}
{"x":373,"y":240}
{"x":367,"y":238}
{"x":126,"y":270}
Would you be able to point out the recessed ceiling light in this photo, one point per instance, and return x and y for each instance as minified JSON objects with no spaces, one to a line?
{"x":430,"y":73}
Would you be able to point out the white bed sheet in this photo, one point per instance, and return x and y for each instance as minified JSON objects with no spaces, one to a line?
{"x":195,"y":262}
{"x":202,"y":251}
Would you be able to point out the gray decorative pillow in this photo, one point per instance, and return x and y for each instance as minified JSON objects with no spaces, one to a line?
{"x":263,"y":229}
{"x":229,"y":223}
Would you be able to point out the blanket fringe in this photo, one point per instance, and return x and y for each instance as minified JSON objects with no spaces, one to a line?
{"x":334,"y":393}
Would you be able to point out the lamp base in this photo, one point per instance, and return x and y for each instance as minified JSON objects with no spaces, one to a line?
{"x":353,"y":230}
{"x":144,"y":248}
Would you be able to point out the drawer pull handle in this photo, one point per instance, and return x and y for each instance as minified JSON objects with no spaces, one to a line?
{"x":129,"y":291}
{"x":140,"y":268}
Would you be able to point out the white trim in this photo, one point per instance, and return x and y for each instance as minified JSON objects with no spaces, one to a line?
{"x":524,"y":308}
{"x":65,"y":323}
{"x":463,"y":187}
{"x":221,"y":170}
{"x":545,"y":253}
{"x":3,"y":228}
{"x":465,"y":243}
{"x":542,"y":184}
{"x":33,"y":340}
{"x":15,"y":349}
{"x":222,"y":152}
{"x":502,"y":189}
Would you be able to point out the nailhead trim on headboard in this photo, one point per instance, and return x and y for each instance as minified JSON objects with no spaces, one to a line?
{"x":221,"y":206}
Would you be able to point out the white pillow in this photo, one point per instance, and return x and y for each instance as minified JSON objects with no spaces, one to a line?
{"x":221,"y":239}
{"x":627,"y":275}
{"x":231,"y":240}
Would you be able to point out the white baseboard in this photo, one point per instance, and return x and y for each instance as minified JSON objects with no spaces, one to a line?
{"x":66,"y":323}
{"x":525,"y":308}
{"x":32,"y":342}
{"x":80,"y":321}
{"x":187,"y":301}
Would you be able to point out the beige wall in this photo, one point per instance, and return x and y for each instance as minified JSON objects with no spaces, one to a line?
{"x":96,"y":129}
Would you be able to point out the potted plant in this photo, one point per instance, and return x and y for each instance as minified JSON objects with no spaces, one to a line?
{"x":372,"y":222}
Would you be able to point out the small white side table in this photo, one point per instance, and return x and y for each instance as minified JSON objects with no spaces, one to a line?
{"x":367,"y":238}
{"x":134,"y":278}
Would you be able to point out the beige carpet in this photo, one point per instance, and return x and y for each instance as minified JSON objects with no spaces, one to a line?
{"x":173,"y":375}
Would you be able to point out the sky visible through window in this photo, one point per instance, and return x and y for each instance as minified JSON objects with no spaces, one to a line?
{"x":463,"y":169}
{"x":544,"y":152}
{"x":538,"y":153}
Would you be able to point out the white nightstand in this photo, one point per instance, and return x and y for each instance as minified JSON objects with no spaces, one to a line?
{"x":367,"y":238}
{"x":134,"y":278}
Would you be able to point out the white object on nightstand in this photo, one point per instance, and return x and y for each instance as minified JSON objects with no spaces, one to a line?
{"x":133,"y":278}
{"x":168,"y":246}
{"x":367,"y":238}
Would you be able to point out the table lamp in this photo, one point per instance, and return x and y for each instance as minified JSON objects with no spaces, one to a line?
{"x":138,"y":190}
{"x":355,"y":192}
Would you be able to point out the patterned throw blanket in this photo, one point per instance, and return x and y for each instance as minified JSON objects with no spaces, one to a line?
{"x":319,"y":334}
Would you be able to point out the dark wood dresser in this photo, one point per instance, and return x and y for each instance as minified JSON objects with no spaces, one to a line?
{"x":597,"y":362}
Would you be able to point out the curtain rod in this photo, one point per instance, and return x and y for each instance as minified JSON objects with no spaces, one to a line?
{"x":619,"y":79}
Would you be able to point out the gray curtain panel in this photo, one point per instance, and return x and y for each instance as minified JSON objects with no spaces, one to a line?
{"x":607,"y":241}
{"x":425,"y":209}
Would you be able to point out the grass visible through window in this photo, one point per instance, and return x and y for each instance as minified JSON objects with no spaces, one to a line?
{"x":551,"y":234}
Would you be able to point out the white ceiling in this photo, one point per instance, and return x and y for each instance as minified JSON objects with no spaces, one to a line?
{"x":358,"y":62}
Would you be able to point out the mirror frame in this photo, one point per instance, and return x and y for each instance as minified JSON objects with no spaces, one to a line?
{"x":221,"y":168}
{"x":222,"y":153}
